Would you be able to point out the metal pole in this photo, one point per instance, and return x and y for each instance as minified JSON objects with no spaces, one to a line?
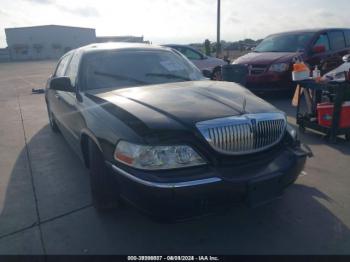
{"x":218,"y":41}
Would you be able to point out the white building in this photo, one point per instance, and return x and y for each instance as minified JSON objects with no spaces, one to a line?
{"x":47,"y":41}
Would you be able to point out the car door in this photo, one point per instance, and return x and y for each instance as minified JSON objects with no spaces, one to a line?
{"x":72,"y":119}
{"x":338,"y":47}
{"x":320,"y":58}
{"x":334,"y":49}
{"x":54,"y":96}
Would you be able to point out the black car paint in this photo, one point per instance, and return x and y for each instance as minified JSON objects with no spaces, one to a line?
{"x":184,"y":202}
{"x":167,"y":114}
{"x":154,"y":119}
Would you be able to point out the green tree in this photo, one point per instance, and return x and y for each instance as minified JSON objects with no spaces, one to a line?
{"x":207,"y":47}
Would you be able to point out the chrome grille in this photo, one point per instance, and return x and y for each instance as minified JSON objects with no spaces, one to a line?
{"x":244,"y":134}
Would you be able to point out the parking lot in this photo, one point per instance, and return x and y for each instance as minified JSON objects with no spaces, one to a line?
{"x":45,"y":202}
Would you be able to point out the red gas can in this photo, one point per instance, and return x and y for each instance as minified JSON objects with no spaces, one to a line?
{"x":325,"y":114}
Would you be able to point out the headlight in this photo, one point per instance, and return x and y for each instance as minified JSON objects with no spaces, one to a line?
{"x":156,"y":157}
{"x":280,"y":67}
{"x":292,"y":132}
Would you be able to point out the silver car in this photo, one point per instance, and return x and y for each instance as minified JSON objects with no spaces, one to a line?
{"x":211,"y":66}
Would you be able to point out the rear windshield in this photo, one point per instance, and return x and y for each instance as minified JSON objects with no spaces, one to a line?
{"x":285,"y":43}
{"x":120,"y":69}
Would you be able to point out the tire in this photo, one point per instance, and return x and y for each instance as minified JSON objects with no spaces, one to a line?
{"x":52,"y":120}
{"x":347,"y":137}
{"x":216,"y":76}
{"x":104,"y":188}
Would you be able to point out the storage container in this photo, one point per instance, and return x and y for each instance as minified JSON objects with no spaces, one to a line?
{"x":325,"y":115}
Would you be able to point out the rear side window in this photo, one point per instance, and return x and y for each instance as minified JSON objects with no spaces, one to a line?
{"x":61,"y":69}
{"x":191,"y":54}
{"x":177,"y":48}
{"x":323,"y":40}
{"x":347,"y":37}
{"x":337,"y":40}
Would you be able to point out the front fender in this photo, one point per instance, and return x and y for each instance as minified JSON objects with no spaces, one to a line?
{"x":86,"y":133}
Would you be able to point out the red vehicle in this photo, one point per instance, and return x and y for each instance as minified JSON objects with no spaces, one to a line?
{"x":270,"y":64}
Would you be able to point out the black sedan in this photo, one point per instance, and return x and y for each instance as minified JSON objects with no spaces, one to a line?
{"x":155,"y":133}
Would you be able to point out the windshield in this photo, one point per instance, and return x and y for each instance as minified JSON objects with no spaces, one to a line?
{"x":120,"y":69}
{"x":284,"y":43}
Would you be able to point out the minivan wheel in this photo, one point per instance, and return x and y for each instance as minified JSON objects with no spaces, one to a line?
{"x":217,"y":75}
{"x":52,"y":120}
{"x":104,"y":188}
{"x":347,"y":137}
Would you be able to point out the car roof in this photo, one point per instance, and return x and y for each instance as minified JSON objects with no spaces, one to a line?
{"x":174,"y":45}
{"x":314,"y":30}
{"x":114,"y":46}
{"x":178,"y":45}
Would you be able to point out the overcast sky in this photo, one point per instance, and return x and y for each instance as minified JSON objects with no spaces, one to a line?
{"x":177,"y":21}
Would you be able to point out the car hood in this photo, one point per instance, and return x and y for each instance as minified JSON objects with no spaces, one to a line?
{"x":181,"y":104}
{"x":210,"y":63}
{"x":265,"y":58}
{"x":216,"y":61}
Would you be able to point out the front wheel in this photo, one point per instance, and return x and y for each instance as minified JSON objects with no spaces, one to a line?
{"x":217,"y":76}
{"x":104,"y":188}
{"x":347,"y":137}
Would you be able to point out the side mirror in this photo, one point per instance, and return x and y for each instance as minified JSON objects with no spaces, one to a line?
{"x":206,"y":73}
{"x":346,"y":58}
{"x":61,"y":84}
{"x":317,"y":49}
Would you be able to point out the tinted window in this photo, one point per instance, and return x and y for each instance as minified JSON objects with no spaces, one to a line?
{"x":61,"y":69}
{"x":337,"y":40}
{"x":323,"y":40}
{"x":347,"y":37}
{"x":73,"y":66}
{"x":284,"y":43}
{"x":177,"y":48}
{"x":121,"y":69}
{"x":191,"y":54}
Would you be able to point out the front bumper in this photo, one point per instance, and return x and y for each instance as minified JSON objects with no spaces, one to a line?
{"x":179,"y":200}
{"x":270,"y":82}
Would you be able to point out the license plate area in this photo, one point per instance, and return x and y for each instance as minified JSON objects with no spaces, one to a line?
{"x":263,"y":190}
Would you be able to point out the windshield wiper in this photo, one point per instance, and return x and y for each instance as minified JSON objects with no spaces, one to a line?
{"x":120,"y":77}
{"x":170,"y":76}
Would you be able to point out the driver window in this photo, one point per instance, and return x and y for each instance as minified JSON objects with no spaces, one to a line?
{"x":323,"y":40}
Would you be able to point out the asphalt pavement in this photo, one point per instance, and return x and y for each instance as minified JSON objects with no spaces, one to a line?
{"x":45,"y":201}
